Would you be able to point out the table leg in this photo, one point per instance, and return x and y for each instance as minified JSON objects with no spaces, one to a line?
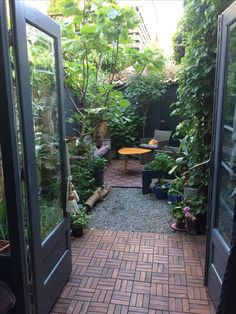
{"x":126,"y":163}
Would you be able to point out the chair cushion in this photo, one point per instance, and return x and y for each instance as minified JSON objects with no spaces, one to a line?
{"x":148,"y":146}
{"x":153,"y":141}
{"x":102,"y":150}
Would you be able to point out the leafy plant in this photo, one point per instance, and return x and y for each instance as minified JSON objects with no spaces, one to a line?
{"x":124,"y":123}
{"x":3,"y":221}
{"x":198,"y":35}
{"x":146,"y":90}
{"x":196,"y":204}
{"x":161,"y":162}
{"x":177,"y":210}
{"x":178,"y":183}
{"x":79,"y":218}
{"x":96,"y":48}
{"x":173,"y":191}
{"x":83,"y":178}
{"x":99,"y":163}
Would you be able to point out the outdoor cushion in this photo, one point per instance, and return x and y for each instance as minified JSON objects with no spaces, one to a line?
{"x":103,"y":150}
{"x":148,"y":146}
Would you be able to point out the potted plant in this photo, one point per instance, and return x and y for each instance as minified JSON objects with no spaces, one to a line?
{"x":4,"y":242}
{"x":197,"y":207}
{"x":194,"y":180}
{"x":98,"y":167}
{"x":160,"y":189}
{"x":162,"y":162}
{"x":157,"y":168}
{"x":190,"y":221}
{"x":78,"y":220}
{"x":174,"y":195}
{"x":179,"y":216}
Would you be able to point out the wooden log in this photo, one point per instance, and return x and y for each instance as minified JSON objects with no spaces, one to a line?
{"x":98,"y":195}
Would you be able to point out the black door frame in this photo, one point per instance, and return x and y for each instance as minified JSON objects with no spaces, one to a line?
{"x":47,"y":283}
{"x":214,"y":238}
{"x":13,"y":268}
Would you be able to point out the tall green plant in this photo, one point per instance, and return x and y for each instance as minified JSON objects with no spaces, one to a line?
{"x":144,"y":91}
{"x":3,"y":221}
{"x":96,"y":47}
{"x":196,"y":78}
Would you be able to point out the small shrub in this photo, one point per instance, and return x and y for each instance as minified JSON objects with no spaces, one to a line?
{"x":161,"y":162}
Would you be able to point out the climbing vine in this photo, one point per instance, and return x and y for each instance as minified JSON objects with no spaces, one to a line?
{"x":196,"y":79}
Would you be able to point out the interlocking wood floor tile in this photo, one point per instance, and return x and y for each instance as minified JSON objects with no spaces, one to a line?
{"x":135,"y":273}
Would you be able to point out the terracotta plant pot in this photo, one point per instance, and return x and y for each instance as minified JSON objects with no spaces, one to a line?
{"x":4,"y":245}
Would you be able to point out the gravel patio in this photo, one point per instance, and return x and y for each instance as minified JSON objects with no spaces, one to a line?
{"x":128,"y":209}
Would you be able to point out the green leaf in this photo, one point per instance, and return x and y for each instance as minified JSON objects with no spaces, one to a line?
{"x":88,"y":29}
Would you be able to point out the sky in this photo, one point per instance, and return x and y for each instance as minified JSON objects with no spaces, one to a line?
{"x":160,"y":16}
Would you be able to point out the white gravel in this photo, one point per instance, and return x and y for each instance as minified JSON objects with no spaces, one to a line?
{"x":128,"y":209}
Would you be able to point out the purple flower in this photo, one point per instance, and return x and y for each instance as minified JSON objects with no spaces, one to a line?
{"x":186,"y":210}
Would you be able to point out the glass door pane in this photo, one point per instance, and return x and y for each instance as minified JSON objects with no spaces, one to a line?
{"x":228,"y":167}
{"x":4,"y":235}
{"x":41,"y":57}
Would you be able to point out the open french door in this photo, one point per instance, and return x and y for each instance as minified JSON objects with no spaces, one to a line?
{"x":36,"y":46}
{"x":223,"y":172}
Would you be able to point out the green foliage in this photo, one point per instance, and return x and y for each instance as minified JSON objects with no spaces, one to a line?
{"x":196,"y":80}
{"x":196,"y":204}
{"x":99,"y":163}
{"x":161,"y":162}
{"x":145,"y":90}
{"x":83,"y":178}
{"x":179,"y":41}
{"x":177,"y":211}
{"x":173,"y":191}
{"x":50,"y":215}
{"x":124,"y":123}
{"x":3,"y":221}
{"x":83,"y":172}
{"x":178,"y":184}
{"x":79,"y":218}
{"x":96,"y":47}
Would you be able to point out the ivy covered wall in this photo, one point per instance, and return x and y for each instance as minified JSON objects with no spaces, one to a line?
{"x":195,"y":47}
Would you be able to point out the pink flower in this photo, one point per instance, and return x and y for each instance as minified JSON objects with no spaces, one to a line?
{"x":186,"y":210}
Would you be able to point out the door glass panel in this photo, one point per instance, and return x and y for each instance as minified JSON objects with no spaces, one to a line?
{"x":228,"y":168}
{"x":4,"y":235}
{"x":41,"y":56}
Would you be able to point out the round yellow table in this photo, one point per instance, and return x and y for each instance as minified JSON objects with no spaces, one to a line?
{"x":132,"y":151}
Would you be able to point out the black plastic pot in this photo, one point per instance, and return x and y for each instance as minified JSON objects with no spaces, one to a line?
{"x":160,"y":192}
{"x":77,"y":231}
{"x":148,"y":175}
{"x":99,"y":177}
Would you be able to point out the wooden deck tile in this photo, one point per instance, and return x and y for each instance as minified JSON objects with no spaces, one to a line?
{"x":132,"y":272}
